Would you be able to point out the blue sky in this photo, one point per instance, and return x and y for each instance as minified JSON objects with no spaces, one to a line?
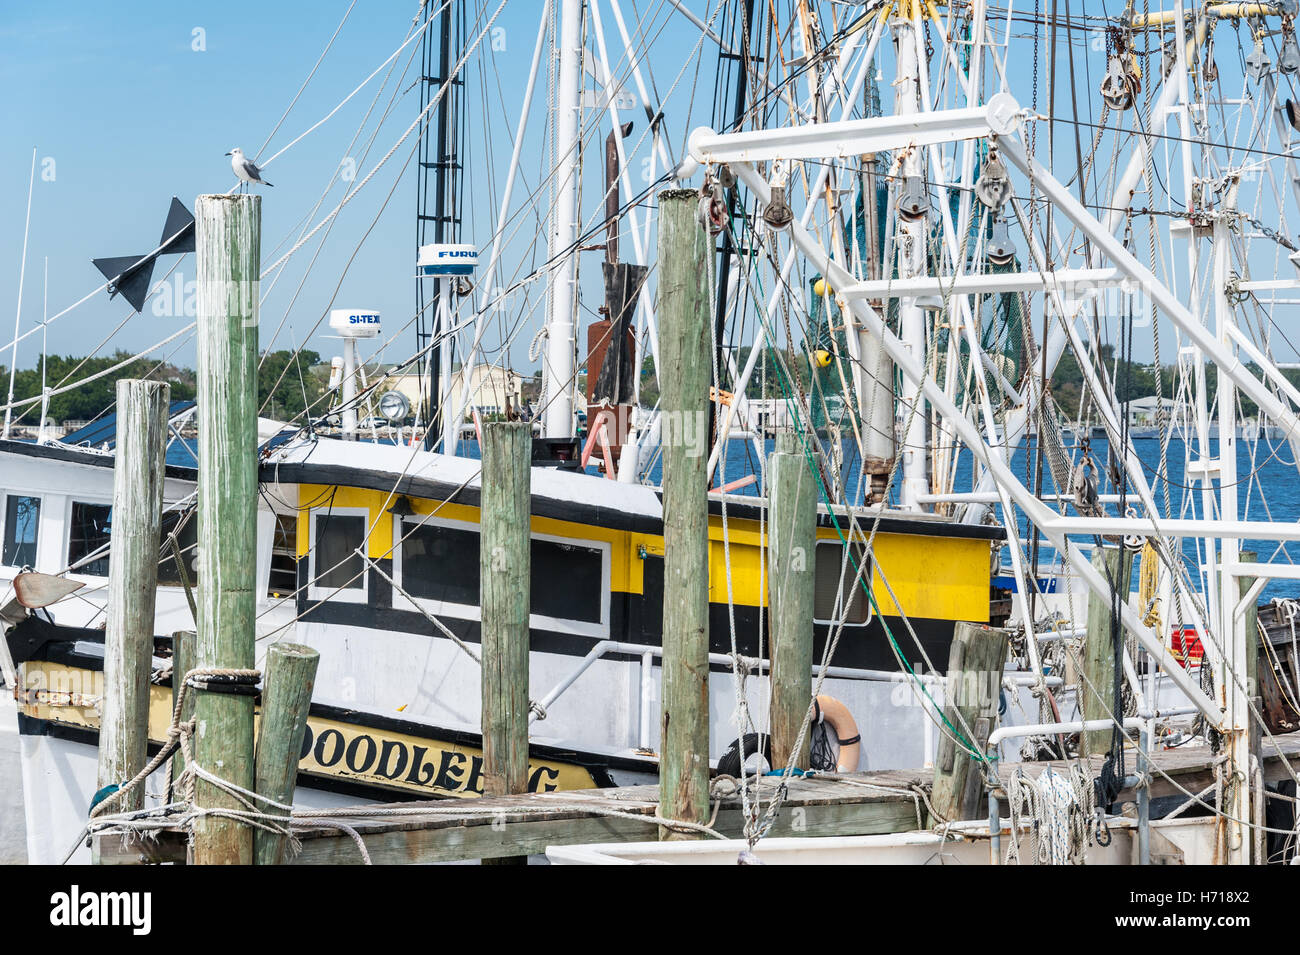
{"x":131,"y":103}
{"x":127,"y":105}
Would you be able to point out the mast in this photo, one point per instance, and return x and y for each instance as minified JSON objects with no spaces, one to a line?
{"x":1233,"y":637}
{"x":742,"y":59}
{"x":22,"y":273}
{"x":910,"y":246}
{"x":559,"y":361}
{"x":438,"y":221}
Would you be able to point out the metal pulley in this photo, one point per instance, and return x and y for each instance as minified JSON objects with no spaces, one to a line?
{"x":1293,"y":114}
{"x":1084,"y":484}
{"x":712,"y":210}
{"x":913,"y":200}
{"x":777,"y":213}
{"x":1288,"y":61}
{"x":1257,"y":61}
{"x":1000,"y":249}
{"x":993,"y":187}
{"x":1122,"y":83}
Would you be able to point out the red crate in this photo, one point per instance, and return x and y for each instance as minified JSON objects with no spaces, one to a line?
{"x":1186,"y":647}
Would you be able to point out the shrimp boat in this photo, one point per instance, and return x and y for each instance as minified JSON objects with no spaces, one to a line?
{"x":897,"y":285}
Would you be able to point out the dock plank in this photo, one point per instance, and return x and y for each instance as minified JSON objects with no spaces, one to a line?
{"x":853,"y":804}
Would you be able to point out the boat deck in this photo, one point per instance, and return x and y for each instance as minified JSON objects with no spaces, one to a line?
{"x":852,"y":804}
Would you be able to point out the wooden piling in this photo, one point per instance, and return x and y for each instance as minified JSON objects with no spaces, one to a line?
{"x":685,"y":260}
{"x":975,"y":663}
{"x":1097,"y":681}
{"x":505,"y":596}
{"x":286,"y":701}
{"x":228,"y":254}
{"x":184,"y":657}
{"x":138,"y":477}
{"x":791,"y":543}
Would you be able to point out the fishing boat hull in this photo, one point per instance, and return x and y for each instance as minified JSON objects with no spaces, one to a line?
{"x":396,"y":705}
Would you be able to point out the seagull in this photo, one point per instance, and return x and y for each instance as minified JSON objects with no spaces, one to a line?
{"x":245,"y":169}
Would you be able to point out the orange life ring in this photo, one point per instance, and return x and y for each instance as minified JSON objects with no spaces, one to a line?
{"x":837,"y":716}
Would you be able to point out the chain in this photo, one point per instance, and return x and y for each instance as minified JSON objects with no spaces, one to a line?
{"x":1273,"y":234}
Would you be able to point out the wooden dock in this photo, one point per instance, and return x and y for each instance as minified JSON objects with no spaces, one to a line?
{"x":856,"y":804}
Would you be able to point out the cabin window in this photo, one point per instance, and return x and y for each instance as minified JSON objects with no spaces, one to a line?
{"x":568,"y":580}
{"x":569,"y":587}
{"x":185,"y":525}
{"x":88,"y":536}
{"x":836,"y":578}
{"x":440,"y":563}
{"x":337,"y":565}
{"x":22,"y":522}
{"x":283,"y":578}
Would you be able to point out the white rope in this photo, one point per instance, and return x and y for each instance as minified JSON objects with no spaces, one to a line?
{"x":1058,"y":809}
{"x":362,"y":85}
{"x":22,"y":403}
{"x":434,"y":101}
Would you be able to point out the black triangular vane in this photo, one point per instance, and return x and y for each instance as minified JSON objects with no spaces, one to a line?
{"x":128,"y":275}
{"x":179,"y":229}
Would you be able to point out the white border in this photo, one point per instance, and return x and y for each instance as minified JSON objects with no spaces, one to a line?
{"x":5,"y":494}
{"x":317,"y":591}
{"x":843,"y":579}
{"x":66,"y":544}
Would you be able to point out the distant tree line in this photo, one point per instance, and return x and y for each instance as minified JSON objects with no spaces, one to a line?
{"x":1134,"y":379}
{"x":291,"y":381}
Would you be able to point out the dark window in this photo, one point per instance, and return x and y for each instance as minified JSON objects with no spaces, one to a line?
{"x":283,"y":578}
{"x":337,"y":562}
{"x":568,"y":580}
{"x":837,"y":577}
{"x":440,"y":563}
{"x":89,"y":534}
{"x":22,"y":520}
{"x":185,"y":525}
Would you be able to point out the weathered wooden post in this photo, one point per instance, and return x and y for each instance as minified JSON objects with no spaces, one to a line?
{"x":685,"y":261}
{"x":791,"y":543}
{"x":133,"y":556}
{"x":1097,"y":680}
{"x":505,"y":571}
{"x":286,"y":701}
{"x":228,"y":253}
{"x":184,"y":656}
{"x":975,"y":663}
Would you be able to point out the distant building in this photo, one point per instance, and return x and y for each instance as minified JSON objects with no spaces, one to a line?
{"x":492,"y":388}
{"x":1142,"y":411}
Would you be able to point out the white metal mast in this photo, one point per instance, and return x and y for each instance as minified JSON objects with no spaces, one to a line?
{"x":559,"y":361}
{"x":446,"y":323}
{"x":910,"y":243}
{"x":22,"y":272}
{"x":1235,"y":641}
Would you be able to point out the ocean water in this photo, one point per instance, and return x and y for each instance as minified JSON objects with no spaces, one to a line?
{"x":1268,"y":487}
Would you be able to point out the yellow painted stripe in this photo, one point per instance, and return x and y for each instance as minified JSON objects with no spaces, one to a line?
{"x":938,"y":577}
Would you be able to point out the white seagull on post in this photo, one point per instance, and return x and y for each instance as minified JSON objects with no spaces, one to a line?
{"x":245,"y":169}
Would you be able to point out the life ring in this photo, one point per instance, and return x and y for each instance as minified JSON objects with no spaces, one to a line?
{"x":837,"y":716}
{"x":826,"y":710}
